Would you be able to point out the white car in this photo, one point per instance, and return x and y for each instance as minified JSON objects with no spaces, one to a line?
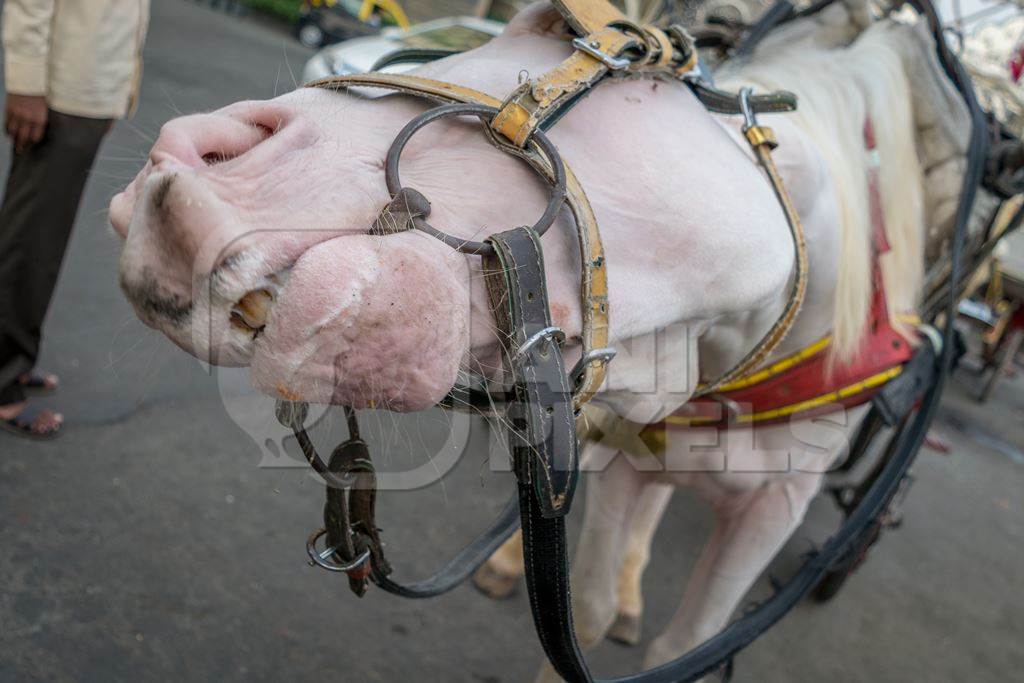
{"x":358,"y":55}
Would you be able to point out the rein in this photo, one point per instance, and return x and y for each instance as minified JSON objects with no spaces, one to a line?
{"x":540,"y":397}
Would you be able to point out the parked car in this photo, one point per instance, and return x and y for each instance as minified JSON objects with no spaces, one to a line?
{"x":329,"y":21}
{"x":358,"y":55}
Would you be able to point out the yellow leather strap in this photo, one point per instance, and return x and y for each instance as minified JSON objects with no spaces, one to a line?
{"x":587,"y":16}
{"x":594,"y":275}
{"x":438,"y":91}
{"x":533,"y":101}
{"x":606,"y":35}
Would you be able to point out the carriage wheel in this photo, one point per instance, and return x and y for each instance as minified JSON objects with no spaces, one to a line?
{"x":850,"y":498}
{"x":830,"y":583}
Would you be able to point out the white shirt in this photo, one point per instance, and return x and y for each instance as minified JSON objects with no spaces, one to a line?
{"x":85,"y":56}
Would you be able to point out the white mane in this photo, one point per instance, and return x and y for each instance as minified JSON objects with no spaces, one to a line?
{"x":838,"y":89}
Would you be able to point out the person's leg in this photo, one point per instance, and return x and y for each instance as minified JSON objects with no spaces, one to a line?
{"x":41,"y":199}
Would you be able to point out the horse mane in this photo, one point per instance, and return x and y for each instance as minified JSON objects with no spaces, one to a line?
{"x":839,"y":88}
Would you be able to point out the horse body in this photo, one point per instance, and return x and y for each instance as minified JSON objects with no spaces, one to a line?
{"x":246,"y":244}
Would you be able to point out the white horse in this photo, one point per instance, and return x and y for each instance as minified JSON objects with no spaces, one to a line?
{"x":245,"y":242}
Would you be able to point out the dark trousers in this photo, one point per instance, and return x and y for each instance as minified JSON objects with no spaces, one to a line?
{"x":39,"y":205}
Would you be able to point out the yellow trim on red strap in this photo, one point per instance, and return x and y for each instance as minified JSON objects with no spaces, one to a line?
{"x":810,"y":404}
{"x":779,"y":366}
{"x":783,"y":364}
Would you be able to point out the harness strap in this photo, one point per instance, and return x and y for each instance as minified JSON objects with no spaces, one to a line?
{"x":762,"y":141}
{"x":594,"y":278}
{"x":462,"y":566}
{"x":607,"y":43}
{"x":588,"y":16}
{"x":542,"y":439}
{"x":551,"y":94}
{"x":723,"y":102}
{"x":593,"y":275}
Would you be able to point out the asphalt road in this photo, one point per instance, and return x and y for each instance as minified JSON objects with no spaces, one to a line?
{"x":161,"y":537}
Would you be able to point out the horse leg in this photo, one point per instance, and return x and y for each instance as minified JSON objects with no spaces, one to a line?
{"x":610,"y":499}
{"x":643,"y":523}
{"x":750,"y":528}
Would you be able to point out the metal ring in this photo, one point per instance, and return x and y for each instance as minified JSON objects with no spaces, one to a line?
{"x":485,"y":113}
{"x":647,"y":50}
{"x":604,"y":355}
{"x":320,"y":558}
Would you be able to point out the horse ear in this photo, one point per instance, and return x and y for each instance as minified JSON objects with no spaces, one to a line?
{"x":538,"y":19}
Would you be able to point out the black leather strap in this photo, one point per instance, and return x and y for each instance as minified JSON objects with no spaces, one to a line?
{"x":724,"y":102}
{"x":543,"y":438}
{"x":898,"y":396}
{"x":462,"y":566}
{"x":546,"y":559}
{"x":778,"y":13}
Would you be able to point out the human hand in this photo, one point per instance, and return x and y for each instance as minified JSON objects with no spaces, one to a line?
{"x":25,"y":119}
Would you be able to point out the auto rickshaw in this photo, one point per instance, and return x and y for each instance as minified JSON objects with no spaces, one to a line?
{"x":330,"y":21}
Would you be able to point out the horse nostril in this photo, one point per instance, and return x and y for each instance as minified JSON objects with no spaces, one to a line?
{"x":258,"y":133}
{"x":214,"y":158}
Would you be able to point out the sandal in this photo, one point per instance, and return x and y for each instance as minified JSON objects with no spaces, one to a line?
{"x":26,"y":424}
{"x":38,"y":385}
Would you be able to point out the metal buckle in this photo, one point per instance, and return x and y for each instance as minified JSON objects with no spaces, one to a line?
{"x":546,"y":335}
{"x":613,"y":63}
{"x":698,"y":75}
{"x":604,"y":355}
{"x":321,"y":558}
{"x":749,"y":120}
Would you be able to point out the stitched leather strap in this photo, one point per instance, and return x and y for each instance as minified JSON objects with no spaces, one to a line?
{"x":462,"y":566}
{"x":546,"y":562}
{"x":587,"y":16}
{"x":722,"y":102}
{"x":543,"y":435}
{"x":762,"y":141}
{"x":542,"y":439}
{"x":547,"y":97}
{"x":605,"y":36}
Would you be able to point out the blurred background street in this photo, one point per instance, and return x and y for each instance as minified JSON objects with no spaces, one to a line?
{"x":161,"y":537}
